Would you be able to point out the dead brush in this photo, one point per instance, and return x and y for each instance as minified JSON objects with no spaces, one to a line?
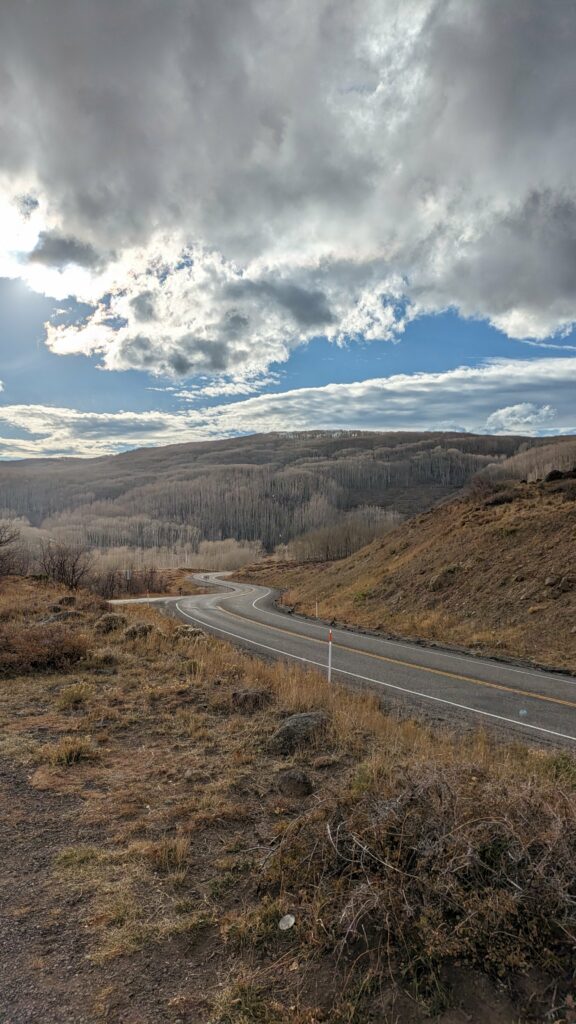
{"x":73,"y":697}
{"x":49,"y":647}
{"x":68,"y":751}
{"x":436,"y":865}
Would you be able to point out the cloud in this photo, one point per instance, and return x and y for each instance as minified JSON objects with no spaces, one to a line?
{"x":525,"y":417}
{"x":501,"y":396}
{"x":55,"y":250}
{"x":333,"y":169}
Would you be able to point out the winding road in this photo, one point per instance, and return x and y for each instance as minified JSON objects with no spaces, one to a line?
{"x":442,"y":684}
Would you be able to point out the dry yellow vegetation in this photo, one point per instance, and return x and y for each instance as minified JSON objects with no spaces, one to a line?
{"x":495,"y":573}
{"x":154,"y":838}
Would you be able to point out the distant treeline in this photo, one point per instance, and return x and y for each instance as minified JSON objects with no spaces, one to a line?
{"x":269,"y":489}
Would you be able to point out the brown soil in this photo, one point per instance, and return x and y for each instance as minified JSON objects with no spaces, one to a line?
{"x":141,"y":820}
{"x":495,"y":574}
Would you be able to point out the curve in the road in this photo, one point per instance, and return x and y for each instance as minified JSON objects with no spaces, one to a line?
{"x":535,"y":702}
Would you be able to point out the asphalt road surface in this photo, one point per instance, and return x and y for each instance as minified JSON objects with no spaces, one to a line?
{"x":444,"y":685}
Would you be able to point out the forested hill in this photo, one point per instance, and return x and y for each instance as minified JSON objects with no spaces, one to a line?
{"x":265,"y":487}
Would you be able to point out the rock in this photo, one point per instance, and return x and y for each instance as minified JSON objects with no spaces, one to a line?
{"x":62,"y":615}
{"x":298,"y":730}
{"x":294,"y":782}
{"x":110,"y":622}
{"x":566,"y":584}
{"x":189,"y":632}
{"x":137,"y":631}
{"x":554,"y":474}
{"x":551,"y":581}
{"x":249,"y":701}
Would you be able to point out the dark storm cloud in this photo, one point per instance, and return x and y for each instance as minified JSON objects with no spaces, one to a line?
{"x":143,"y":306}
{"x":308,"y":308}
{"x":55,"y":250}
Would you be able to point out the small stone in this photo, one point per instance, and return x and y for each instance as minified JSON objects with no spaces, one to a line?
{"x":249,"y":701}
{"x":294,"y":782}
{"x":551,"y":581}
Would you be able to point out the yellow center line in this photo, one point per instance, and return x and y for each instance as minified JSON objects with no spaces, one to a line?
{"x":410,"y":664}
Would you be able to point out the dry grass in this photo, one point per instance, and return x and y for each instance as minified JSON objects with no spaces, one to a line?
{"x":46,"y":647}
{"x":415,"y":847}
{"x":496,"y":578}
{"x":67,"y":751}
{"x":74,"y":696}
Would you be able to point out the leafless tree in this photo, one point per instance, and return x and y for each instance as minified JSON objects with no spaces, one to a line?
{"x":10,"y":551}
{"x":64,"y":563}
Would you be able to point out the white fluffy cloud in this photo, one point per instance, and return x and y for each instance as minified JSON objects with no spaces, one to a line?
{"x":485,"y":399}
{"x":223,"y":181}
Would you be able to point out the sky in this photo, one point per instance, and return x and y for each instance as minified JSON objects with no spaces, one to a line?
{"x":225,"y":217}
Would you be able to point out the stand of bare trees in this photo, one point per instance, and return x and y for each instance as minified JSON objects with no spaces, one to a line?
{"x":344,"y":537}
{"x":64,"y":563}
{"x":14,"y":555}
{"x":266,"y":488}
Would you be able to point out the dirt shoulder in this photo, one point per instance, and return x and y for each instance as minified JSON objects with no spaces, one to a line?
{"x":160,"y":822}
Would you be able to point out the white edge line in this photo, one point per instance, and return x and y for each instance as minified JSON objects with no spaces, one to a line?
{"x":378,"y":682}
{"x":239,"y":588}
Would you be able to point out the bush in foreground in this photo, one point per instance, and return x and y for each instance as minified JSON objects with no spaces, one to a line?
{"x":38,"y":648}
{"x":435,"y":865}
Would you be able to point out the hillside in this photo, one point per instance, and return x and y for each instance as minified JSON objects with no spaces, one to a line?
{"x":266,"y":488}
{"x":191,"y":858}
{"x":493,"y":572}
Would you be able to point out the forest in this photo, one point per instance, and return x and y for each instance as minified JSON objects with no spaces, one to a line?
{"x":315,"y":496}
{"x":267,"y":488}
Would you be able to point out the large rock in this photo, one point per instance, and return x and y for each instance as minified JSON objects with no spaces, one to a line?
{"x":299,"y":730}
{"x":63,"y":615}
{"x":189,"y":632}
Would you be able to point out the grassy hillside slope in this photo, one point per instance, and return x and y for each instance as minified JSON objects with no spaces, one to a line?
{"x":494,"y":573}
{"x":155,"y":834}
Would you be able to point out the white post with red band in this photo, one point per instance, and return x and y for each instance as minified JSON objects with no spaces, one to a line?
{"x":330,"y":656}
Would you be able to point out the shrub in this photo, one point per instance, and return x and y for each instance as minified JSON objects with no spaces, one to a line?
{"x":40,"y":648}
{"x":110,"y":622}
{"x":68,"y":751}
{"x":73,"y":696}
{"x":439,"y":864}
{"x":138,"y":631}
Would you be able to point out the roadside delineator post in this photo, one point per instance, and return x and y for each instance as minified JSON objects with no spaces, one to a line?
{"x":330,"y":656}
